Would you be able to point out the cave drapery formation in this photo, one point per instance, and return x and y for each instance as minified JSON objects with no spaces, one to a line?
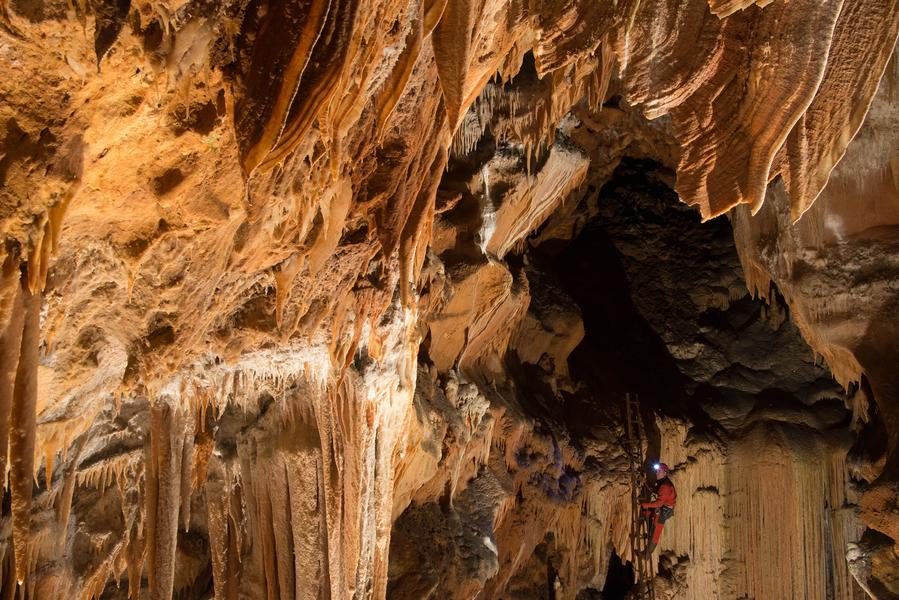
{"x":331,"y":298}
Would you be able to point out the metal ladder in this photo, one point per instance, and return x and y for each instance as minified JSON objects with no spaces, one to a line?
{"x":636,"y":437}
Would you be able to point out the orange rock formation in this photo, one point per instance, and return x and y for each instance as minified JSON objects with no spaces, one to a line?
{"x":264,"y":265}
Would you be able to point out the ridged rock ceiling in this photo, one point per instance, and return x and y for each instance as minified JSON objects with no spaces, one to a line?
{"x":229,"y":230}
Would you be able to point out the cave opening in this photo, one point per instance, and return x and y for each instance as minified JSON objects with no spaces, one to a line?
{"x":661,"y":292}
{"x":667,"y":316}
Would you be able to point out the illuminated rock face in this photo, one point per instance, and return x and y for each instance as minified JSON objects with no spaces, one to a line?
{"x":297,"y":298}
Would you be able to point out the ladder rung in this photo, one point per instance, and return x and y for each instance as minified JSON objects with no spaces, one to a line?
{"x":636,"y":436}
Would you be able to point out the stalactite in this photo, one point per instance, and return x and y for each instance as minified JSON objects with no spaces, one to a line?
{"x":187,"y":477}
{"x":725,"y":8}
{"x":415,"y":235}
{"x":452,"y":51}
{"x":842,"y":101}
{"x":267,"y":535}
{"x":46,"y":242}
{"x":107,"y":472}
{"x":261,"y":137}
{"x":64,"y":500}
{"x":22,"y":431}
{"x":203,"y":447}
{"x":334,"y":208}
{"x":399,"y":76}
{"x":314,"y":84}
{"x":13,"y":314}
{"x":522,"y":209}
{"x":134,"y":557}
{"x":284,"y":278}
{"x":328,"y":444}
{"x":163,"y":495}
{"x":224,"y":529}
{"x":95,"y":584}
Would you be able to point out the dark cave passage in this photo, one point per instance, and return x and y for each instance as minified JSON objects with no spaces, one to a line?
{"x":664,"y":313}
{"x":667,"y":314}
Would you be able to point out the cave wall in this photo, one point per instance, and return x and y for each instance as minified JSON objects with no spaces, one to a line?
{"x":228,"y":233}
{"x":756,"y":430}
{"x":764,"y":512}
{"x":836,"y":272}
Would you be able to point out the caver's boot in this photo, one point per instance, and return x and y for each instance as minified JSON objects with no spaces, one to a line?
{"x":649,"y":548}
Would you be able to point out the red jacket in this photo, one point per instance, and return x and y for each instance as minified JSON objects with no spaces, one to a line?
{"x":667,"y":495}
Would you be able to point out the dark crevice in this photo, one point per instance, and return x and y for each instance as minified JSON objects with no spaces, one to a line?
{"x":619,"y":579}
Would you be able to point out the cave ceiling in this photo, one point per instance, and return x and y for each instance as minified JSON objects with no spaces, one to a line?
{"x":341,"y":299}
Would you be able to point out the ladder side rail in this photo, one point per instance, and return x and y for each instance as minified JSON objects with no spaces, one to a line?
{"x":639,"y":526}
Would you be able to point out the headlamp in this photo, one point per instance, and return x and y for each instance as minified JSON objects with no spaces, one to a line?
{"x":655,"y":466}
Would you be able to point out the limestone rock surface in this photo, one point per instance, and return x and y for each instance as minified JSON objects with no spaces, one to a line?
{"x":337,"y":299}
